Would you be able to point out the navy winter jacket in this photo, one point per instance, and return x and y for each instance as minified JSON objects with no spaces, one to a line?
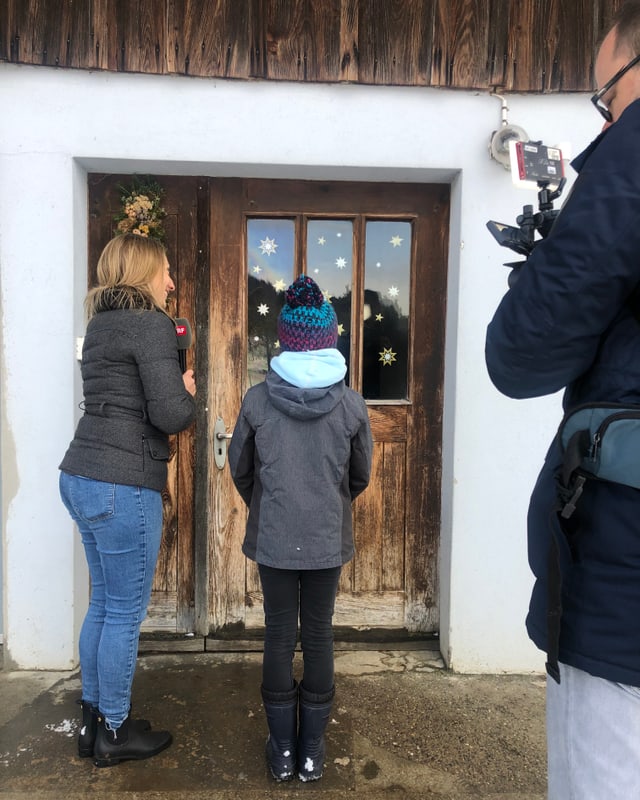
{"x":567,"y":322}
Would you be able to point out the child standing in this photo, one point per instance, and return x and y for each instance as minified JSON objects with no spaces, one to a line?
{"x":300,"y":454}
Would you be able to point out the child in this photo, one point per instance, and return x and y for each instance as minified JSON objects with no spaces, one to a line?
{"x":300,"y":454}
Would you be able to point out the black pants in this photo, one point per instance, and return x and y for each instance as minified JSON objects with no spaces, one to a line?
{"x":311,"y":594}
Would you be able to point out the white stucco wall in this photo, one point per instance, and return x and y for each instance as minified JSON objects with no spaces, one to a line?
{"x":58,"y":124}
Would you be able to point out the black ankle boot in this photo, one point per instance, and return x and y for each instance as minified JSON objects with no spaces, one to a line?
{"x":281,"y":709}
{"x":127,"y":743}
{"x":315,"y":711}
{"x":89,"y":728}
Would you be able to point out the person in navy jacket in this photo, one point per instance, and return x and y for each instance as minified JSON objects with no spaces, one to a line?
{"x":571,"y":321}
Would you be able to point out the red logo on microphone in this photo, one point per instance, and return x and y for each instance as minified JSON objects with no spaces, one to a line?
{"x":181,"y":330}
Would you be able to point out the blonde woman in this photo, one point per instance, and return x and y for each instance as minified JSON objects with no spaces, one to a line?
{"x":111,"y":479}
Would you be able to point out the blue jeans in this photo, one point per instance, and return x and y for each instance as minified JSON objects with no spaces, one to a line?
{"x":121,"y":529}
{"x":593,"y":738}
{"x":311,"y":594}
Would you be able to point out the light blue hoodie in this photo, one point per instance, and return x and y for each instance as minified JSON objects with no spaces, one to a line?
{"x":310,"y":369}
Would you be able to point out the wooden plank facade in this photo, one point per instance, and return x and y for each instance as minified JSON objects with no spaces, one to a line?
{"x":501,"y":45}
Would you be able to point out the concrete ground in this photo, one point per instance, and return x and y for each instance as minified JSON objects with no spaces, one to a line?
{"x":402,"y":727}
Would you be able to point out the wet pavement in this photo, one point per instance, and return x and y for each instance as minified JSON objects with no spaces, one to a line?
{"x":402,"y":727}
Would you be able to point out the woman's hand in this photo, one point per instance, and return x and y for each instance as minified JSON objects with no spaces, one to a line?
{"x":189,"y":382}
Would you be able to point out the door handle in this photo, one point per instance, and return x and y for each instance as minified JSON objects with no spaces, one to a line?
{"x":220,"y":437}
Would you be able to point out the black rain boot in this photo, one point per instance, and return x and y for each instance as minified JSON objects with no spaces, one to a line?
{"x":315,"y":710}
{"x":127,"y":743}
{"x":89,"y":728}
{"x":281,"y":709}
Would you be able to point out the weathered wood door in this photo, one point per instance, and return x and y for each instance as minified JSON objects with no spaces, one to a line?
{"x":172,"y":607}
{"x":378,"y":251}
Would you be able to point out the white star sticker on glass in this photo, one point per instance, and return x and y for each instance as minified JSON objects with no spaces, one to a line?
{"x":396,"y":241}
{"x":341,"y":263}
{"x":268,"y":246}
{"x":322,"y":240}
{"x":280,"y":285}
{"x":263,"y":309}
{"x":340,"y":329}
{"x":257,"y":270}
{"x":393,"y":291}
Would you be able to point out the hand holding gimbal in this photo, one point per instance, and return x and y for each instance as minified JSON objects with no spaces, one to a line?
{"x":533,"y":163}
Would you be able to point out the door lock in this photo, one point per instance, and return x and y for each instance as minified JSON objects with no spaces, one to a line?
{"x":220,"y":437}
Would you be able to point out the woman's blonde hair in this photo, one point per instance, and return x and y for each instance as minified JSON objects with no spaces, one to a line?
{"x":129,"y":262}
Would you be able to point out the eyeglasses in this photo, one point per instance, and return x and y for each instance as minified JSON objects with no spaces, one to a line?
{"x":596,"y":99}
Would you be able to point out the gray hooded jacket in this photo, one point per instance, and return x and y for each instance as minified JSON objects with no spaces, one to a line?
{"x":298,"y":458}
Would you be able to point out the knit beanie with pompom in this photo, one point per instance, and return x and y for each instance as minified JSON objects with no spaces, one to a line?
{"x":307,"y":321}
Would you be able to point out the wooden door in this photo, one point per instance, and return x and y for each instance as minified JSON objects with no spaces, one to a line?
{"x":203,"y":582}
{"x":393,"y":581}
{"x":172,"y":607}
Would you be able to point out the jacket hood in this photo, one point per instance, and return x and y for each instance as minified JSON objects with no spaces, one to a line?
{"x":311,"y":369}
{"x":302,"y":403}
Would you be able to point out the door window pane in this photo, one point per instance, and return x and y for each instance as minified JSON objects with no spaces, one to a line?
{"x":270,"y":262}
{"x":386,"y":310}
{"x":330,"y":264}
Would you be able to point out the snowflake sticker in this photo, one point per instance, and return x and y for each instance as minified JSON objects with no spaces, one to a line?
{"x":263,"y":309}
{"x":340,"y":329}
{"x":268,"y":246}
{"x":396,"y":241}
{"x":341,"y":263}
{"x":322,"y":240}
{"x":280,"y":285}
{"x":393,"y":291}
{"x":379,"y":317}
{"x":256,"y":270}
{"x":387,"y":356}
{"x":327,"y":296}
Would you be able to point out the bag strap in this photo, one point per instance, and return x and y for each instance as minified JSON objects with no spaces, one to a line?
{"x":554,"y":606}
{"x":570,"y":486}
{"x":573,"y":479}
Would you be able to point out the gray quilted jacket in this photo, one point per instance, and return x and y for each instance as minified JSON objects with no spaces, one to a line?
{"x":298,"y":458}
{"x":134,"y":396}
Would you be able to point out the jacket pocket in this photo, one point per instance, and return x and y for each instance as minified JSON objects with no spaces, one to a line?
{"x":157,"y":447}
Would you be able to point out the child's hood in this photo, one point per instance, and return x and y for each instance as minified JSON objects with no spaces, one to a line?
{"x":310,"y":369}
{"x":293,"y":382}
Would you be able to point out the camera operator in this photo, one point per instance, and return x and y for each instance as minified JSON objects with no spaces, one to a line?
{"x":570,"y":320}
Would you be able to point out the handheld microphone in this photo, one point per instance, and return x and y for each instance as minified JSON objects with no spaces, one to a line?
{"x":184,"y":337}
